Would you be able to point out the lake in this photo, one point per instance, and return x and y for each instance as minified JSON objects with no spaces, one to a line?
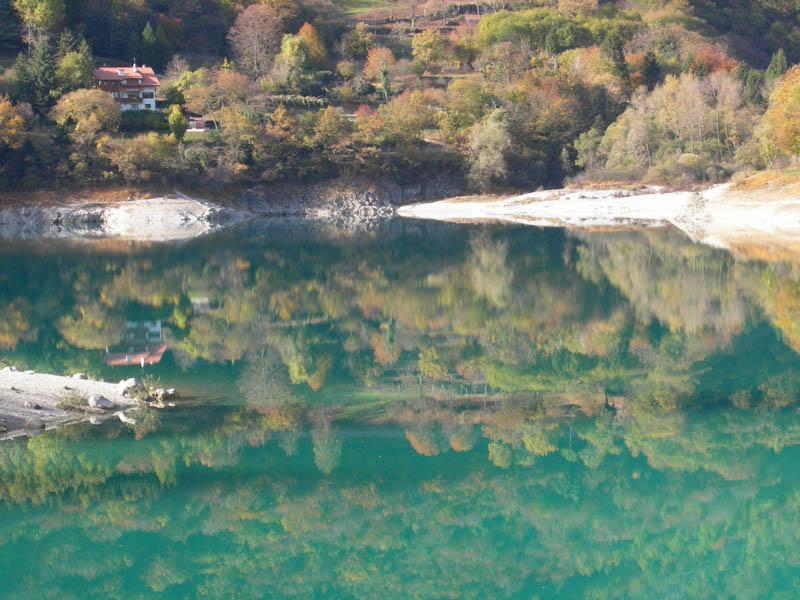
{"x":418,"y":410}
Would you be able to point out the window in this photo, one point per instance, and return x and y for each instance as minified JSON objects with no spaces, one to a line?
{"x":148,"y":95}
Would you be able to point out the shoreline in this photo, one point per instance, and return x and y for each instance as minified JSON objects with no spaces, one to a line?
{"x":31,"y":402}
{"x":722,"y":216}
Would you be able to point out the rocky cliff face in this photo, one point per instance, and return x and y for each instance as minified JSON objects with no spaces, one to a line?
{"x":150,"y":219}
{"x":350,"y":205}
{"x":343,"y":199}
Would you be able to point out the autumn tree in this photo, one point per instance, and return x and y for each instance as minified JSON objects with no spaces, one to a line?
{"x":380,"y":66}
{"x":290,"y":71}
{"x":40,"y":18}
{"x":427,"y":46}
{"x":87,"y":113}
{"x":12,"y":125}
{"x":780,"y":126}
{"x":255,"y":37}
{"x":317,"y":52}
{"x":488,"y":143}
{"x":357,"y":42}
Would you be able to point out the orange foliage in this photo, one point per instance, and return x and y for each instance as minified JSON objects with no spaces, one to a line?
{"x":423,"y":442}
{"x":377,"y":60}
{"x":711,"y":59}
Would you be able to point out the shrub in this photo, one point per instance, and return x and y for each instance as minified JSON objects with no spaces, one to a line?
{"x":137,"y":121}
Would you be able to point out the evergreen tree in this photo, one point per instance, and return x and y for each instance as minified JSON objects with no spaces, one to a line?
{"x":753,"y":90}
{"x":149,"y":45}
{"x":66,"y":43}
{"x":614,"y":48}
{"x":777,"y":66}
{"x":37,"y":76}
{"x":9,"y":27}
{"x":651,"y":71}
{"x":551,"y":43}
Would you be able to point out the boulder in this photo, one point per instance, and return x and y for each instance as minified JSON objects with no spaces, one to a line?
{"x":98,"y":401}
{"x":126,"y":386}
{"x":125,"y":418}
{"x":80,"y":376}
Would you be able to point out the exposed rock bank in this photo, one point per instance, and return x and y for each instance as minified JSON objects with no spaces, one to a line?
{"x":33,"y":402}
{"x":343,"y":201}
{"x":346,"y":204}
{"x":719,"y":216}
{"x":151,"y":220}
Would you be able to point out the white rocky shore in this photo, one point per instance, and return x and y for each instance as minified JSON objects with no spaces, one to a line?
{"x":719,"y":216}
{"x":33,"y":402}
{"x":168,"y":218}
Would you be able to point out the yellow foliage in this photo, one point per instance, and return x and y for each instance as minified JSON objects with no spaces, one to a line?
{"x":12,"y":125}
{"x":781,"y":122}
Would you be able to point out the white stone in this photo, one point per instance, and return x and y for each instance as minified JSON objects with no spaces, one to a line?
{"x":126,"y":385}
{"x":98,"y":401}
{"x":125,"y":418}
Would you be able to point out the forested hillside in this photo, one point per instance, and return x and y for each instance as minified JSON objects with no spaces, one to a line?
{"x":501,"y":93}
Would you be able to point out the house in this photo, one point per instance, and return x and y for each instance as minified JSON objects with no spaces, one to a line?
{"x":141,"y":344}
{"x":133,"y":87}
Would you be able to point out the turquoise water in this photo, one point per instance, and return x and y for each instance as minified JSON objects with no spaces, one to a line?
{"x":418,"y":411}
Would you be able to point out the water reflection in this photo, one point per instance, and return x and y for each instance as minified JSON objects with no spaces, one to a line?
{"x":425,"y":411}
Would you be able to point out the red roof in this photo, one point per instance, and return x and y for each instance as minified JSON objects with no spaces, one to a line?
{"x":144,"y":75}
{"x":150,"y":357}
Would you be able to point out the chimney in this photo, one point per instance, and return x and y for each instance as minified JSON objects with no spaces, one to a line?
{"x":134,"y":65}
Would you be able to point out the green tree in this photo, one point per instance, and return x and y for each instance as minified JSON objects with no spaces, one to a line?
{"x":777,"y":66}
{"x":40,"y":18}
{"x":357,"y":42}
{"x":428,"y":46}
{"x":155,"y":46}
{"x":177,"y":122}
{"x":614,"y":47}
{"x":74,"y":69}
{"x":36,"y":75}
{"x":290,"y":71}
{"x":651,"y":72}
{"x":489,"y":143}
{"x":9,"y":27}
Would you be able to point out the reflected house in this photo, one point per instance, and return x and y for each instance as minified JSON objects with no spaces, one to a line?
{"x":142,"y":345}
